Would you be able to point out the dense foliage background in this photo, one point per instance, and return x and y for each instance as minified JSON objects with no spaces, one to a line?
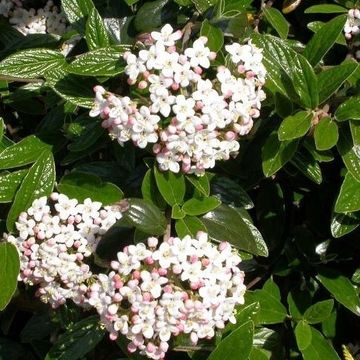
{"x":290,"y":201}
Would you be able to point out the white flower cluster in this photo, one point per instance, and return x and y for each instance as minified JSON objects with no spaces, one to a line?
{"x":192,"y":115}
{"x":184,"y":286}
{"x":55,"y":238}
{"x":34,"y":21}
{"x":352,"y":25}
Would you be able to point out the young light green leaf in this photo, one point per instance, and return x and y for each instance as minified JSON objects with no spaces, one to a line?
{"x":39,"y":181}
{"x":170,"y":185}
{"x":275,"y":154}
{"x":239,"y":231}
{"x":81,"y":186}
{"x":295,"y":126}
{"x":96,"y":34}
{"x":194,"y":206}
{"x":349,"y":110}
{"x":343,"y":224}
{"x":303,"y":335}
{"x":189,"y":225}
{"x":330,"y":80}
{"x":214,"y":35}
{"x":349,"y":197}
{"x":79,"y":339}
{"x":326,"y":134}
{"x":31,"y":63}
{"x":341,"y":288}
{"x":319,"y":312}
{"x":9,"y":184}
{"x":101,"y":62}
{"x":277,"y":21}
{"x":323,"y":40}
{"x":201,"y":183}
{"x":177,"y":212}
{"x":326,"y":9}
{"x":9,"y":271}
{"x":239,"y":342}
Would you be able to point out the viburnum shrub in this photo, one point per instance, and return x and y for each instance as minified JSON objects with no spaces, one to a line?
{"x":179,"y":179}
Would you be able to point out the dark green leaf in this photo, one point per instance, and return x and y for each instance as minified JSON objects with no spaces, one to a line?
{"x":295,"y":126}
{"x":341,"y":288}
{"x":342,"y":224}
{"x":325,"y":9}
{"x":9,"y":271}
{"x":196,"y":206}
{"x":239,"y":342}
{"x":326,"y":134}
{"x":95,"y":33}
{"x":189,"y":225}
{"x":303,"y":335}
{"x":319,"y":312}
{"x":39,"y":181}
{"x":305,"y":162}
{"x":226,"y":223}
{"x":244,"y":313}
{"x":349,"y":110}
{"x":9,"y":184}
{"x":277,"y":21}
{"x":275,"y":154}
{"x":214,"y":35}
{"x":37,"y":328}
{"x":349,"y":197}
{"x":170,"y":185}
{"x":78,"y":340}
{"x":77,"y":11}
{"x":203,"y":5}
{"x":150,"y":191}
{"x":81,"y":186}
{"x":323,"y":40}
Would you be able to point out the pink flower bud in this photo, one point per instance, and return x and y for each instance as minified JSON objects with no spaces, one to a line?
{"x":152,"y":242}
{"x":198,"y":70}
{"x":212,"y":55}
{"x":142,"y":85}
{"x":230,"y":135}
{"x":175,"y":86}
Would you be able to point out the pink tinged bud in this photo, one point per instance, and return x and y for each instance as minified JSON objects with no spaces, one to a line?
{"x":250,"y":74}
{"x":223,"y":245}
{"x":182,"y":59}
{"x":184,"y":296}
{"x":162,"y":272}
{"x":32,"y":264}
{"x":54,"y":197}
{"x":131,"y":82}
{"x":171,"y":49}
{"x":194,"y":338}
{"x":155,"y":271}
{"x":134,"y":309}
{"x":146,"y":74}
{"x":97,"y":221}
{"x":180,"y":327}
{"x":78,"y":218}
{"x":27,"y":272}
{"x":194,"y":286}
{"x":163,"y":136}
{"x":117,"y":297}
{"x":193,"y":259}
{"x":135,"y":319}
{"x":119,"y":284}
{"x":170,"y":240}
{"x":79,"y":256}
{"x":199,"y":105}
{"x":114,"y":265}
{"x":198,"y":70}
{"x":152,"y":242}
{"x":146,"y":296}
{"x":133,"y":284}
{"x":126,"y":250}
{"x":204,"y":39}
{"x":142,"y":85}
{"x":156,"y":150}
{"x":168,"y":289}
{"x":230,"y":135}
{"x":164,"y":346}
{"x":175,"y":86}
{"x":131,"y":347}
{"x":255,"y":113}
{"x":116,"y":121}
{"x":185,"y":168}
{"x":241,"y":69}
{"x":177,"y":269}
{"x":113,"y":336}
{"x":205,"y":262}
{"x":150,"y":347}
{"x":199,"y":127}
{"x":105,"y":124}
{"x":149,"y":260}
{"x":172,"y":129}
{"x":212,"y":55}
{"x":71,"y":219}
{"x":112,"y":309}
{"x":136,"y":274}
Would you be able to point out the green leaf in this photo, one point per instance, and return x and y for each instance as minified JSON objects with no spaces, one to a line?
{"x":277,"y":21}
{"x":239,"y":342}
{"x":177,"y":212}
{"x":325,"y":9}
{"x":31,"y":63}
{"x":288,"y":72}
{"x":319,"y":312}
{"x":101,"y":62}
{"x":81,"y":186}
{"x":77,"y":11}
{"x":330,"y":80}
{"x":171,"y":186}
{"x":150,"y":191}
{"x":189,"y":225}
{"x":79,"y":339}
{"x":244,"y":313}
{"x":38,"y":182}
{"x":9,"y":271}
{"x":303,"y":335}
{"x":95,"y":33}
{"x":145,"y":216}
{"x":275,"y":153}
{"x":349,"y":110}
{"x":9,"y":184}
{"x":323,"y":40}
{"x":88,"y":137}
{"x":349,"y":197}
{"x":342,"y":224}
{"x":214,"y":35}
{"x":203,"y":5}
{"x":272,"y":311}
{"x":295,"y":126}
{"x":305,"y":162}
{"x":196,"y":206}
{"x":326,"y":134}
{"x":298,"y":300}
{"x":319,"y":348}
{"x":341,"y":288}
{"x":226,"y":223}
{"x":201,"y":183}
{"x":355,"y":134}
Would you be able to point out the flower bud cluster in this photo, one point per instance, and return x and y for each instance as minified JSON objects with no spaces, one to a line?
{"x":48,"y":19}
{"x":56,"y":238}
{"x":352,"y":25}
{"x":192,"y":114}
{"x":184,"y":286}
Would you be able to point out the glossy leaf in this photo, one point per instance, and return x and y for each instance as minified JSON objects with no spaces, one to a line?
{"x":326,"y":134}
{"x":95,"y":33}
{"x":9,"y":271}
{"x":324,"y":39}
{"x":214,"y":34}
{"x":39,"y":181}
{"x":9,"y":184}
{"x":171,"y":186}
{"x":275,"y":154}
{"x":305,"y":162}
{"x":239,"y":231}
{"x":319,"y":312}
{"x":341,"y":288}
{"x":177,"y":212}
{"x":277,"y":21}
{"x":325,"y":9}
{"x":239,"y":342}
{"x":295,"y":126}
{"x":303,"y":334}
{"x":201,"y":183}
{"x":189,"y":225}
{"x":78,"y":185}
{"x":349,"y":110}
{"x":203,"y":5}
{"x":79,"y":339}
{"x":343,"y":224}
{"x":77,"y":11}
{"x":196,"y":206}
{"x":349,"y":197}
